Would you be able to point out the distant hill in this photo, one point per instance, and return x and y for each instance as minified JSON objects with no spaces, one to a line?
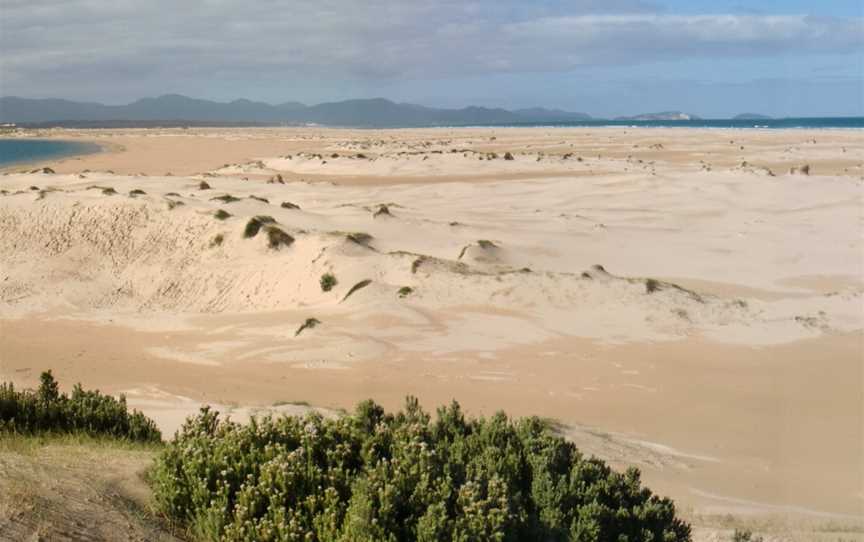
{"x":751,"y":116}
{"x":663,"y":115}
{"x":174,"y":109}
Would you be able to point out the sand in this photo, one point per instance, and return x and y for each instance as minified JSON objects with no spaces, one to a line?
{"x":677,"y":298}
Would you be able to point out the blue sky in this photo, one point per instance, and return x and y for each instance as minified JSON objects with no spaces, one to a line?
{"x":603,"y":57}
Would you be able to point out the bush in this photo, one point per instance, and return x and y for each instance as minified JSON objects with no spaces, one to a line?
{"x":377,"y":476}
{"x":48,"y":411}
{"x":221,"y":214}
{"x":328,"y":281}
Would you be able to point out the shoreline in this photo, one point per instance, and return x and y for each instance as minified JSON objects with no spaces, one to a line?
{"x":97,"y":148}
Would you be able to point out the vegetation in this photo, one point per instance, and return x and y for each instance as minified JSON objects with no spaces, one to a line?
{"x":289,"y":205}
{"x":254,"y":225}
{"x":328,"y":281}
{"x":203,"y":185}
{"x":277,"y":238}
{"x":393,"y":477}
{"x":651,"y":286}
{"x":310,"y":323}
{"x":227,"y":198}
{"x":46,"y":410}
{"x":136,"y":192}
{"x":745,"y":536}
{"x":217,"y":240}
{"x":258,"y":198}
{"x":405,"y":291}
{"x":221,"y":214}
{"x":360,"y":285}
{"x":359,"y":238}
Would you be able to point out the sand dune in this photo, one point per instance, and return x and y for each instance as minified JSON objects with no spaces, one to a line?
{"x":598,"y":277}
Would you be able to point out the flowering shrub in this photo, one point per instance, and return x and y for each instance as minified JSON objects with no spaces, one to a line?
{"x":373,"y":476}
{"x":49,"y":411}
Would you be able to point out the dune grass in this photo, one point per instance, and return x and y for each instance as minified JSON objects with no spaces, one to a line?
{"x":359,"y":286}
{"x":310,"y":323}
{"x":255,"y":224}
{"x":277,"y":238}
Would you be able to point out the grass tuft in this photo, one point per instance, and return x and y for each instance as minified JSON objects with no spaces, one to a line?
{"x":359,"y":286}
{"x":227,"y":198}
{"x":310,"y":323}
{"x":276,"y":238}
{"x":255,"y":224}
{"x":405,"y":291}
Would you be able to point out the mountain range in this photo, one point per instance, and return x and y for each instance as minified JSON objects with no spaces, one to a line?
{"x":176,"y":108}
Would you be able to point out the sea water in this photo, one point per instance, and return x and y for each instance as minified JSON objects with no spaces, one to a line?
{"x":13,"y":151}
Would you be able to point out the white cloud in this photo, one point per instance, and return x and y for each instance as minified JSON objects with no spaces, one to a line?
{"x":63,"y":42}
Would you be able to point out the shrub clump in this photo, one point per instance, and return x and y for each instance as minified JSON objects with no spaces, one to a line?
{"x":46,"y":410}
{"x":221,"y":214}
{"x":375,"y":476}
{"x":328,"y":281}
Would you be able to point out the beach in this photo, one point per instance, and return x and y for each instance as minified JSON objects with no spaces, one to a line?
{"x":686,"y":301}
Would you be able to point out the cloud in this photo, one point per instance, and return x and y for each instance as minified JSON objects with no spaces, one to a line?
{"x":75,"y":43}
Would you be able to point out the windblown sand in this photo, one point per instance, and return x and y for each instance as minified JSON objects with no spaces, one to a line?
{"x":677,"y":298}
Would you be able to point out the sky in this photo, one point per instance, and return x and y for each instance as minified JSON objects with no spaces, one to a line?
{"x":604,"y":57}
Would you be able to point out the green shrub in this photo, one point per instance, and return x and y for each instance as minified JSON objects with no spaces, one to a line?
{"x":328,"y":281}
{"x":222,"y":214}
{"x":46,"y":410}
{"x":374,"y":476}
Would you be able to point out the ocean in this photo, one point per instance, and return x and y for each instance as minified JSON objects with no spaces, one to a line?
{"x":786,"y":123}
{"x":14,"y":151}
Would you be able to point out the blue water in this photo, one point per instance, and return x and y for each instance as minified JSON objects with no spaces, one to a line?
{"x":804,"y":122}
{"x":13,"y":151}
